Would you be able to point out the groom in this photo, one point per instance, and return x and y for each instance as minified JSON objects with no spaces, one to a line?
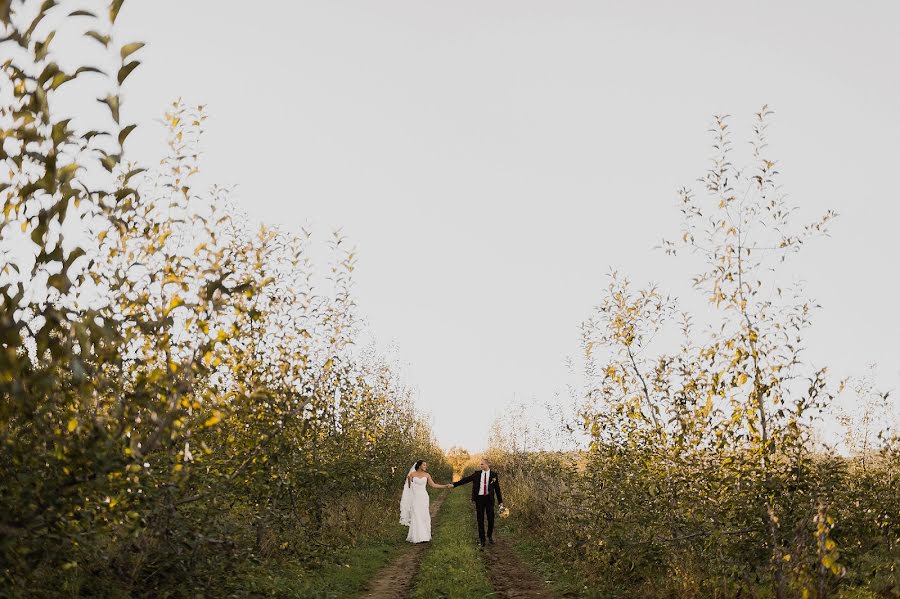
{"x":485,"y":485}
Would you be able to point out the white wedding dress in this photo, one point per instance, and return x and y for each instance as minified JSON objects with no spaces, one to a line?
{"x":414,"y":511}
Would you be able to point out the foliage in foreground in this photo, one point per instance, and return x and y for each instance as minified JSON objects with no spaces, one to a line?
{"x":701,"y":476}
{"x":347,"y":574}
{"x":177,"y":393}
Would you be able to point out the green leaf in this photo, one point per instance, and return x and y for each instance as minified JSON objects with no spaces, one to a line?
{"x":49,"y":71}
{"x":37,"y":236}
{"x":93,"y":133}
{"x":59,"y":79}
{"x":126,"y":70}
{"x":114,"y":7}
{"x":132,"y":173}
{"x":60,"y":131}
{"x":103,"y":39}
{"x":41,"y":48}
{"x":59,"y":281}
{"x":123,"y":134}
{"x":125,"y":192}
{"x":4,"y":11}
{"x":113,"y":103}
{"x":109,"y":161}
{"x":82,"y":13}
{"x":68,"y":171}
{"x":129,"y":49}
{"x":80,"y":70}
{"x":74,"y":255}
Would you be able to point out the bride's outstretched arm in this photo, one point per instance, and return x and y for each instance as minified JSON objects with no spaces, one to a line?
{"x":435,"y":485}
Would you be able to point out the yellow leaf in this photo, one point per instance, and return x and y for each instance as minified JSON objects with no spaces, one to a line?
{"x":73,"y":424}
{"x":176,"y":301}
{"x":707,"y":407}
{"x":212,"y":420}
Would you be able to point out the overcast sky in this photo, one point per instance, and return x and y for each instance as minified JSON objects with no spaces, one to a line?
{"x":493,"y":160}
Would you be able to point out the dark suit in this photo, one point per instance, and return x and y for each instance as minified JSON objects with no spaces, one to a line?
{"x":484,"y":504}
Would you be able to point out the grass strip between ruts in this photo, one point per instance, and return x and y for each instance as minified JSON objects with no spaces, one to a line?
{"x":453,"y":566}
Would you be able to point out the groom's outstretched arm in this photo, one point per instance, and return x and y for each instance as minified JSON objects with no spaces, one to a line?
{"x":497,"y":491}
{"x":466,"y":480}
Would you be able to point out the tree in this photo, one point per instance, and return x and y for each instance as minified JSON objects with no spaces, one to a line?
{"x":701,"y":475}
{"x":176,"y":387}
{"x":459,"y":458}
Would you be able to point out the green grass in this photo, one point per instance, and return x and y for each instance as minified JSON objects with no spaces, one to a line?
{"x":345,"y":576}
{"x":453,"y":567}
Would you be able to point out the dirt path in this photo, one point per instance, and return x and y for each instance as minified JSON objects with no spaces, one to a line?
{"x":511,"y":578}
{"x":395,"y":580}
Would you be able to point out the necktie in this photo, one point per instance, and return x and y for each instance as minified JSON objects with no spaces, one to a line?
{"x":484,"y":483}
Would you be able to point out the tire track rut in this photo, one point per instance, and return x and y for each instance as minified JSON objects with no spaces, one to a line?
{"x":511,"y":578}
{"x":395,"y":580}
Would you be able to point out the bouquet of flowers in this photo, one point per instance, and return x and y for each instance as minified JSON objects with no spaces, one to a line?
{"x":504,"y":511}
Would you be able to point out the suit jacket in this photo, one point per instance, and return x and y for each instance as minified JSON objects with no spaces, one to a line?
{"x":493,"y":485}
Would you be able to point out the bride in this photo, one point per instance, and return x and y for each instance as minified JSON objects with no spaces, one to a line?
{"x":414,"y":503}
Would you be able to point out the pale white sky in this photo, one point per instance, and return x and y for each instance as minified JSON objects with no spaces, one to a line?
{"x":492,"y":160}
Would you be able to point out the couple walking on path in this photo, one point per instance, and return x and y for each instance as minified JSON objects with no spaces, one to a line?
{"x":414,"y":502}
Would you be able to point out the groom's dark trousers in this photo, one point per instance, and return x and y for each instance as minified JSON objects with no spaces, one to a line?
{"x":484,"y":505}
